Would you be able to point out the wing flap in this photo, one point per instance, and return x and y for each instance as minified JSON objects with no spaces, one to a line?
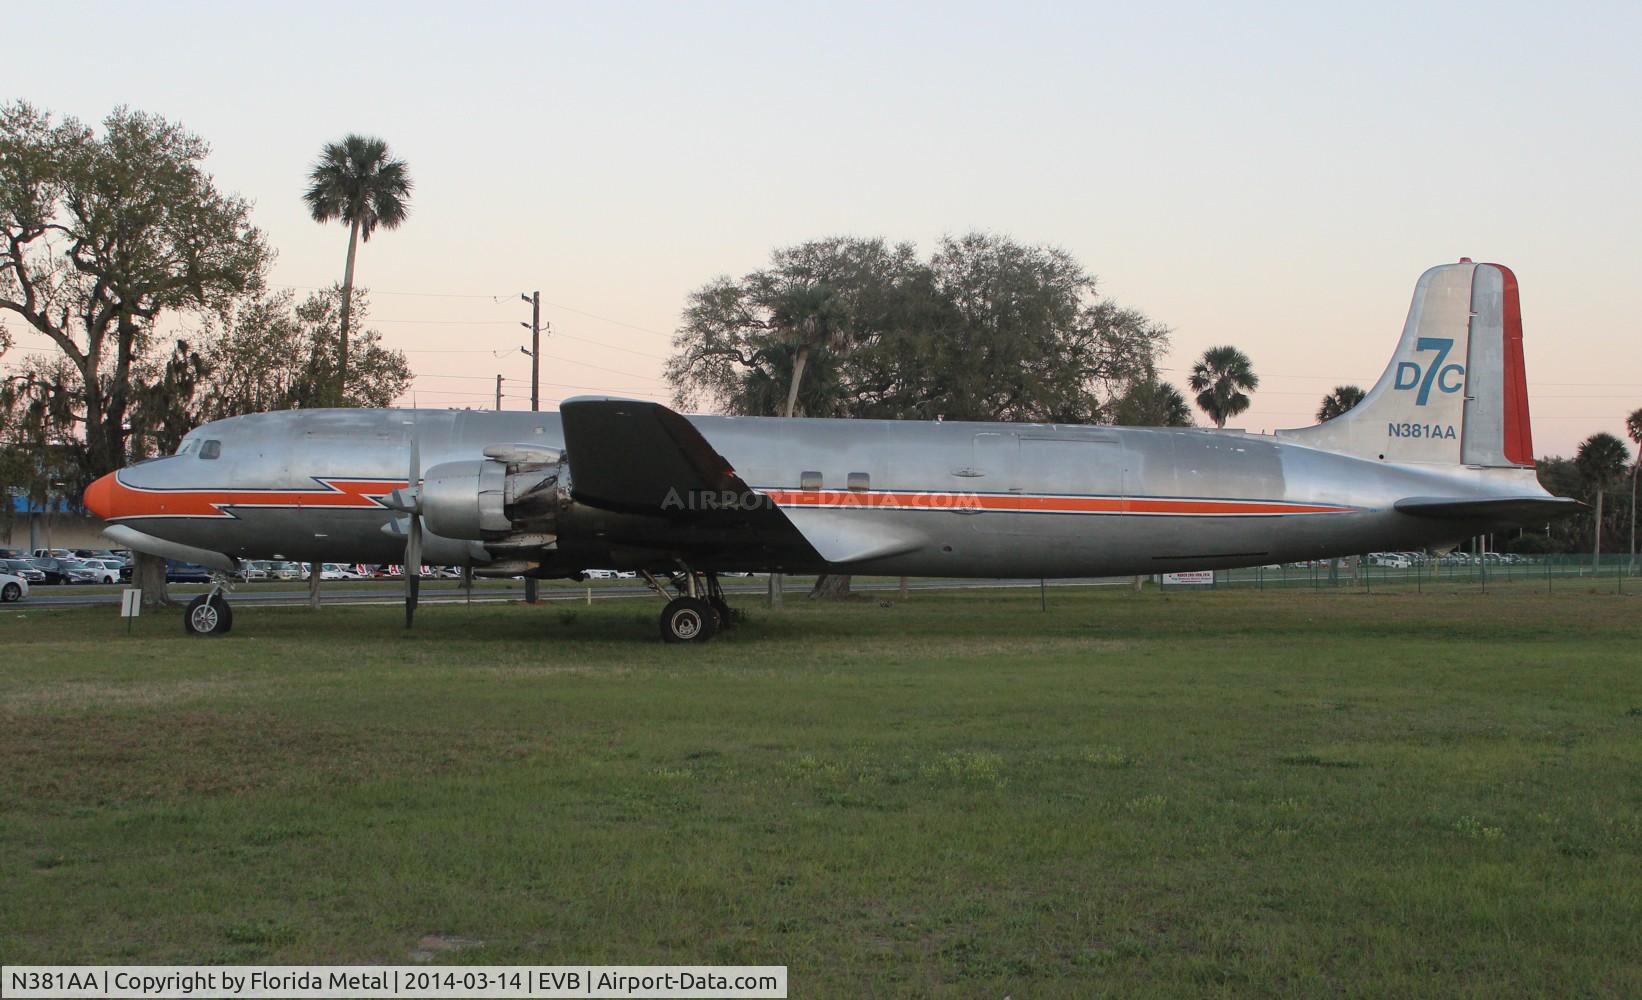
{"x":843,"y":536}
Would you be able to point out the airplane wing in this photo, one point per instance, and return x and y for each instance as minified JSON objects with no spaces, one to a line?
{"x":1523,"y":510}
{"x":639,"y":457}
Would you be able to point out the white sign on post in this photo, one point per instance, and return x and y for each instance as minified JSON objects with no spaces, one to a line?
{"x":131,"y":605}
{"x":1196,"y":577}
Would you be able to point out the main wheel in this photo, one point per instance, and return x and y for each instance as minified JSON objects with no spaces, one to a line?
{"x":12,"y":593}
{"x":688,"y":619}
{"x":207,"y":614}
{"x":728,"y":617}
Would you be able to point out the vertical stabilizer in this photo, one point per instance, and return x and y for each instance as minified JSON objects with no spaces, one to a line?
{"x":1455,"y":392}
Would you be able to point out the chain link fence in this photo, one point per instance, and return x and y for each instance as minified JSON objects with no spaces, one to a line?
{"x":1611,"y":573}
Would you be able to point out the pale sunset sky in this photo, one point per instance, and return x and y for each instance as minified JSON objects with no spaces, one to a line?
{"x":1270,"y":176}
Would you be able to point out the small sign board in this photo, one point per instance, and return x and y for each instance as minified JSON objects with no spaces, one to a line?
{"x":131,"y":603}
{"x":1194,"y":578}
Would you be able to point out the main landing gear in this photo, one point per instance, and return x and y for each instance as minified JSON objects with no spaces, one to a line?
{"x":698,"y":613}
{"x":209,"y":613}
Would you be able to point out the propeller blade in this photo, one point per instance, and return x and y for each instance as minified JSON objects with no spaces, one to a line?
{"x":413,"y":567}
{"x":413,"y":532}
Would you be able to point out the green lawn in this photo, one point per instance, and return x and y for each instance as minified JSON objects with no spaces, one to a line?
{"x":1225,"y":793}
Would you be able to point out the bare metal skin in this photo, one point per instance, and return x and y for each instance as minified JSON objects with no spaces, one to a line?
{"x":624,"y":484}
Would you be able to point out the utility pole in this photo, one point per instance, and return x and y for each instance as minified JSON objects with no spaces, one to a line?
{"x":498,"y":393}
{"x":535,"y":300}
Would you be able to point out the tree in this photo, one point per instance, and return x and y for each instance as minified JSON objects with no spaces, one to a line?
{"x":1222,"y":379}
{"x":1338,"y":402}
{"x":811,"y":319}
{"x":1601,"y":460}
{"x":1633,"y":429}
{"x":102,"y":235}
{"x":986,"y":329}
{"x":358,"y":182}
{"x":1151,"y":403}
{"x":275,"y":354}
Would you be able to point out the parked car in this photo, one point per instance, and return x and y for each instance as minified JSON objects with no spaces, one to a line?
{"x":342,"y":571}
{"x":24,"y":568}
{"x":13,"y":587}
{"x":186,"y":572}
{"x":53,"y":554}
{"x":85,"y":571}
{"x":286,"y":570}
{"x":121,"y":570}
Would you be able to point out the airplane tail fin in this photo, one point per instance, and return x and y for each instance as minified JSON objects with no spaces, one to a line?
{"x":1455,"y":392}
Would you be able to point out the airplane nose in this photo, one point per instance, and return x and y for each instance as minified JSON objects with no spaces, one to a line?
{"x":99,"y":497}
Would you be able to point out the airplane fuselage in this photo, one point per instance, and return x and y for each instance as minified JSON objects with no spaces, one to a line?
{"x":890,"y":497}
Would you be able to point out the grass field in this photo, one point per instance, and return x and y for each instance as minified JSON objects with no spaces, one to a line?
{"x":1227,"y":793}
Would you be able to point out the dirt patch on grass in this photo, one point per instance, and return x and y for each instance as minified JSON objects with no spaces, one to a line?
{"x":78,"y":696}
{"x":969,"y":647}
{"x":116,"y":758}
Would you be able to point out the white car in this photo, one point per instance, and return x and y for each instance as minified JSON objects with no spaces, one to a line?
{"x":341,"y":571}
{"x":76,"y":571}
{"x":13,"y":588}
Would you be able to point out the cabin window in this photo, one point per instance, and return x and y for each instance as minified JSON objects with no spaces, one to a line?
{"x":809,"y":480}
{"x":211,"y":449}
{"x":860,"y":482}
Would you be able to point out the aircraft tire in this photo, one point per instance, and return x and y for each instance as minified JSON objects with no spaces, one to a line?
{"x":688,"y":619}
{"x":207,"y":615}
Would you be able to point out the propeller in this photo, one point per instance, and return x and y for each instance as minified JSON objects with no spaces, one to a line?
{"x":413,"y":534}
{"x":408,"y":500}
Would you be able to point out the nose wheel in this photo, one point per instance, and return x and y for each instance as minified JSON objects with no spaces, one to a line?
{"x":208,"y":614}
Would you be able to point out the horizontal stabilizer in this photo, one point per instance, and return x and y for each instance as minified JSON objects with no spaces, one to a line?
{"x":1520,"y":510}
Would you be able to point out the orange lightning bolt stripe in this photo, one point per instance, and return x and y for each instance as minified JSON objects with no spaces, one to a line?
{"x":125,"y":502}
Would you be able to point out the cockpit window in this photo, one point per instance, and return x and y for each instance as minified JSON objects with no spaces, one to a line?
{"x":211,"y":449}
{"x":187,"y":447}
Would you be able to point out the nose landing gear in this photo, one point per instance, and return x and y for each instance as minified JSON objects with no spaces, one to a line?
{"x":209,"y":613}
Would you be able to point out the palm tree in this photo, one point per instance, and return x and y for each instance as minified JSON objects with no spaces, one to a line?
{"x":1222,"y":378}
{"x":1151,"y":402}
{"x":357,"y":181}
{"x":1601,"y":460}
{"x":1336,"y":403}
{"x":811,"y":318}
{"x":1633,"y":428}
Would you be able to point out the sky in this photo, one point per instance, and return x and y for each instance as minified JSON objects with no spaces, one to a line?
{"x":1273,"y":176}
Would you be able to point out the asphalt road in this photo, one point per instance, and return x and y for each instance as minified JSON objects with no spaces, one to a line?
{"x":450,"y":592}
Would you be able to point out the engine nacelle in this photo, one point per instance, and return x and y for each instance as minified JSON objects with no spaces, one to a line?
{"x":489,"y":500}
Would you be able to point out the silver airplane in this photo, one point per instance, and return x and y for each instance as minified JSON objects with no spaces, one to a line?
{"x":1438,"y":451}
